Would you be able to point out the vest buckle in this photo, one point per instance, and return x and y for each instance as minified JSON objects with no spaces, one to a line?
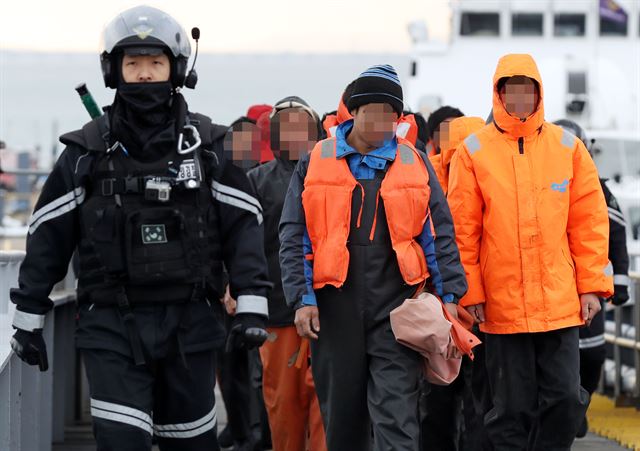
{"x":107,"y":187}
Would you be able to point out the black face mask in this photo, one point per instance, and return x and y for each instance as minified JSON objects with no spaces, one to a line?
{"x":149,"y":102}
{"x":143,"y":119}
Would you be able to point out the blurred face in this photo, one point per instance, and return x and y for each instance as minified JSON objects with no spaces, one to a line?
{"x":375,"y":123}
{"x":441,"y":135}
{"x":145,"y":68}
{"x":242,"y":145}
{"x":297,"y":134}
{"x":520,"y":97}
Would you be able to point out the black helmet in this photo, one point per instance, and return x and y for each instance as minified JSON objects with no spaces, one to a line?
{"x":573,"y":128}
{"x":144,"y":30}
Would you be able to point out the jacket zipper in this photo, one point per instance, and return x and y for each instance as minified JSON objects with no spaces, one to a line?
{"x":521,"y":145}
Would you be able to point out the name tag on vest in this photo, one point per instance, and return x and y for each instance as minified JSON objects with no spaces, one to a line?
{"x":187,"y":171}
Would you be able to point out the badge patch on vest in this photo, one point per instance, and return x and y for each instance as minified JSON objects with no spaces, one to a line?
{"x":153,"y":234}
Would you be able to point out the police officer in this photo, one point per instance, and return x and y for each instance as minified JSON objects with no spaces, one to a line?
{"x":145,"y":196}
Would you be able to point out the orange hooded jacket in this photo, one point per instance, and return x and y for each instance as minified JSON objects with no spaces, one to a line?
{"x":331,"y":121}
{"x":530,"y":217}
{"x":459,"y":129}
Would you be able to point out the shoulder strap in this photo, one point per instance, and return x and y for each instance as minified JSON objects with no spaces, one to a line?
{"x":94,"y":135}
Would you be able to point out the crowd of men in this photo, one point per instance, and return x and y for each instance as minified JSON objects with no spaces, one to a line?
{"x":278,"y":255}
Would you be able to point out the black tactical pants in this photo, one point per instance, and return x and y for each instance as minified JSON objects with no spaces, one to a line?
{"x":535,"y":384}
{"x":233,"y":374}
{"x":131,"y":403}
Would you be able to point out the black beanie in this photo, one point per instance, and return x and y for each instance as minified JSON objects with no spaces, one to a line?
{"x":378,"y":84}
{"x":439,"y":115}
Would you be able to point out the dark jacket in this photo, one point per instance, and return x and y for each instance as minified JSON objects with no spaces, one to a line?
{"x":617,"y":247}
{"x":592,"y":336}
{"x":270,"y":182}
{"x":292,"y":230}
{"x":55,"y":231}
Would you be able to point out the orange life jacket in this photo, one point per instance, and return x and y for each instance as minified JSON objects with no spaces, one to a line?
{"x":408,"y":128}
{"x":326,"y":199}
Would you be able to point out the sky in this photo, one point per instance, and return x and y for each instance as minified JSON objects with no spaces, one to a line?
{"x":250,"y":26}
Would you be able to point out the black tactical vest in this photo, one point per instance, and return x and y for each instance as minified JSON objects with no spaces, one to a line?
{"x":149,"y":228}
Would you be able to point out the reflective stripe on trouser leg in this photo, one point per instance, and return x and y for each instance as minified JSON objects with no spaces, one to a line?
{"x":187,"y":430}
{"x":121,"y":414}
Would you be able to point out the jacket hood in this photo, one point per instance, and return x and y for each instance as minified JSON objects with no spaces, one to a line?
{"x":459,"y":129}
{"x":343,"y":113}
{"x":510,"y":66}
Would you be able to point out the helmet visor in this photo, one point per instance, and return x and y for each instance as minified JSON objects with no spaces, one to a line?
{"x":144,"y":27}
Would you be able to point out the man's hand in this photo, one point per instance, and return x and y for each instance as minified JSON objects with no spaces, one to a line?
{"x":31,"y":348}
{"x":590,"y":307}
{"x":248,"y":331}
{"x":229,"y":303}
{"x":476,"y":312}
{"x":452,"y":309}
{"x":308,"y":322}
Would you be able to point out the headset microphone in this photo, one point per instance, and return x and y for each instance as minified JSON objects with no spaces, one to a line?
{"x":192,"y":77}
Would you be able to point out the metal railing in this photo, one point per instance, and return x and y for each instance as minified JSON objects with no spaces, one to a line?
{"x":36,"y":406}
{"x":623,"y":371}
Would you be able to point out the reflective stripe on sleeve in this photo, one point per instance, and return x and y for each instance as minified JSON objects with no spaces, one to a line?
{"x":58,"y":207}
{"x":27,"y":321}
{"x":252,"y":304}
{"x":621,"y":279}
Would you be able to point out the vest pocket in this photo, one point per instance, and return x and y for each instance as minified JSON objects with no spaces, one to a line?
{"x":156,"y":245}
{"x":104,"y":230}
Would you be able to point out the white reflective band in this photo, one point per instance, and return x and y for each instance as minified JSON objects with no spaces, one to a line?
{"x":332,"y":131}
{"x":239,"y":204}
{"x":617,"y":219}
{"x":121,"y":414}
{"x":28,"y":321}
{"x":58,"y":207}
{"x":592,"y":342}
{"x":473,"y":143}
{"x":236,"y":193}
{"x":245,"y":202}
{"x":252,"y":304}
{"x":187,"y":430}
{"x":613,"y":211}
{"x":567,"y":138}
{"x":608,"y":270}
{"x":621,"y":279}
{"x":403,"y":129}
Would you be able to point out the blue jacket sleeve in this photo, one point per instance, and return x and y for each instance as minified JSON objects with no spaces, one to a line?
{"x":297,"y":271}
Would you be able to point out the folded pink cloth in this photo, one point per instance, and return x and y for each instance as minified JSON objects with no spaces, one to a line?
{"x":420,"y":324}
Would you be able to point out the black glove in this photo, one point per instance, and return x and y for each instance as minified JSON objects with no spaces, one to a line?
{"x":620,"y":295}
{"x":30,"y":348}
{"x":247,"y":332}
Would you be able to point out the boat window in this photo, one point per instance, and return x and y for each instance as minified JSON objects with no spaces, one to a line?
{"x":569,"y":24}
{"x":613,"y":25}
{"x":480,"y":24}
{"x":577,"y":82}
{"x":526,"y":24}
